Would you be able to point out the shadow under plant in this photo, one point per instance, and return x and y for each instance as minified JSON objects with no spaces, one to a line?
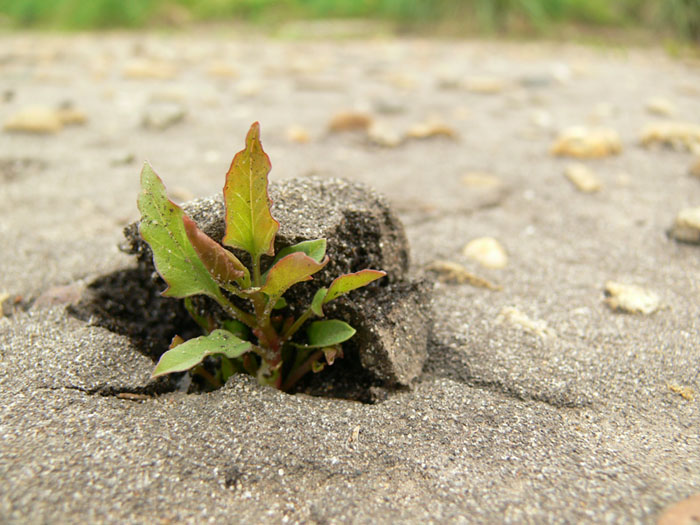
{"x":391,"y":316}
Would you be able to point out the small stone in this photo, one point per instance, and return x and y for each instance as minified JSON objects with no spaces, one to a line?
{"x":431,"y":128}
{"x":685,"y":392}
{"x":515,"y":317}
{"x":249,"y":88}
{"x":680,"y":136}
{"x":686,"y":512}
{"x":4,"y":296}
{"x":542,"y":119}
{"x":694,"y":169}
{"x":35,"y":120}
{"x":484,"y":85}
{"x":71,"y":117}
{"x":481,"y":180}
{"x":487,"y":251}
{"x":121,"y":158}
{"x":350,"y":121}
{"x":150,"y":70}
{"x":660,"y":106}
{"x":583,"y":178}
{"x":381,"y":134}
{"x":388,"y":106}
{"x":583,"y":142}
{"x":162,"y":116}
{"x":298,"y":134}
{"x":630,"y":298}
{"x":453,"y":273}
{"x":686,"y":226}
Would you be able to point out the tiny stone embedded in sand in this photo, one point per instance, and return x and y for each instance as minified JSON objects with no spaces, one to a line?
{"x":381,"y":134}
{"x":680,"y":136}
{"x":298,"y":134}
{"x":686,"y":226}
{"x":515,"y":317}
{"x":222,"y":70}
{"x":487,"y":251}
{"x":660,"y":106}
{"x":686,"y":512}
{"x":431,"y":128}
{"x":630,"y":298}
{"x":583,"y":178}
{"x":350,"y":121}
{"x":451,"y":272}
{"x":685,"y":392}
{"x":39,"y":120}
{"x":582,"y":142}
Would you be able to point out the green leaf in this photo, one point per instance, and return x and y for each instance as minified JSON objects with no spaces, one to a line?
{"x":249,"y":223}
{"x":190,"y":353}
{"x":316,"y":249}
{"x":222,"y":265}
{"x":317,"y":302}
{"x":322,"y":334}
{"x":351,"y":281}
{"x":281,"y":303}
{"x":163,"y":229}
{"x":236,"y":328}
{"x":294,"y":268}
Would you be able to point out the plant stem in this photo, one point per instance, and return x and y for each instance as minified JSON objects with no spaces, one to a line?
{"x":202,"y":372}
{"x":297,"y":324}
{"x":299,"y":372}
{"x":256,"y":271}
{"x":237,"y":313}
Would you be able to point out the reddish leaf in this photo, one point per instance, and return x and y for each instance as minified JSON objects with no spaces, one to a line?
{"x":249,"y":223}
{"x":223,"y":266}
{"x":350,"y":281}
{"x":294,"y":268}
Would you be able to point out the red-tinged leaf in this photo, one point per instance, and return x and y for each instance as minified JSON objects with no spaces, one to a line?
{"x":223,"y":266}
{"x":294,"y":268}
{"x":249,"y":223}
{"x":162,"y":227}
{"x":351,"y":281}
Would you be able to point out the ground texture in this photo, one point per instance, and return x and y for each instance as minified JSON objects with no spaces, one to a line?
{"x":538,"y":403}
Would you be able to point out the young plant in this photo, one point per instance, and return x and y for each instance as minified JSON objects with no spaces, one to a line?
{"x":260,"y":340}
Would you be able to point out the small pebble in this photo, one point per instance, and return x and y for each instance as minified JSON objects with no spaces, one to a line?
{"x":583,"y":142}
{"x":350,"y":121}
{"x":451,"y":272}
{"x":680,"y":136}
{"x":583,"y":178}
{"x":685,"y":392}
{"x":298,"y":134}
{"x":39,"y":120}
{"x":487,"y":251}
{"x":630,"y":298}
{"x":431,"y":128}
{"x":150,"y":70}
{"x":221,"y":70}
{"x":381,"y":134}
{"x":517,"y":318}
{"x":686,"y":512}
{"x":686,"y":226}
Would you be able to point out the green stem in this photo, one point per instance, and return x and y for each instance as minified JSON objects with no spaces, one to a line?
{"x":300,"y":371}
{"x":202,"y":372}
{"x":256,"y":271}
{"x":297,"y":324}
{"x":236,"y":312}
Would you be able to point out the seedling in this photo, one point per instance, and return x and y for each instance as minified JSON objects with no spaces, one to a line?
{"x":262,"y":340}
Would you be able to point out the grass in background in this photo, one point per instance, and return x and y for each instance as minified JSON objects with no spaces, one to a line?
{"x":676,"y":18}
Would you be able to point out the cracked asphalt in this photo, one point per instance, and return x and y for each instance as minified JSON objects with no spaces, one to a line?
{"x":537,"y":404}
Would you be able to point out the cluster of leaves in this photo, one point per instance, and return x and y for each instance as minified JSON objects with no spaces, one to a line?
{"x":261,"y":341}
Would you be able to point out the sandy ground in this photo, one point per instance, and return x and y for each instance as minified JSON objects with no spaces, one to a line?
{"x":538,"y":402}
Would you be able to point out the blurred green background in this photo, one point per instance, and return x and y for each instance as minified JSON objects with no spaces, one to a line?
{"x":677,"y":19}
